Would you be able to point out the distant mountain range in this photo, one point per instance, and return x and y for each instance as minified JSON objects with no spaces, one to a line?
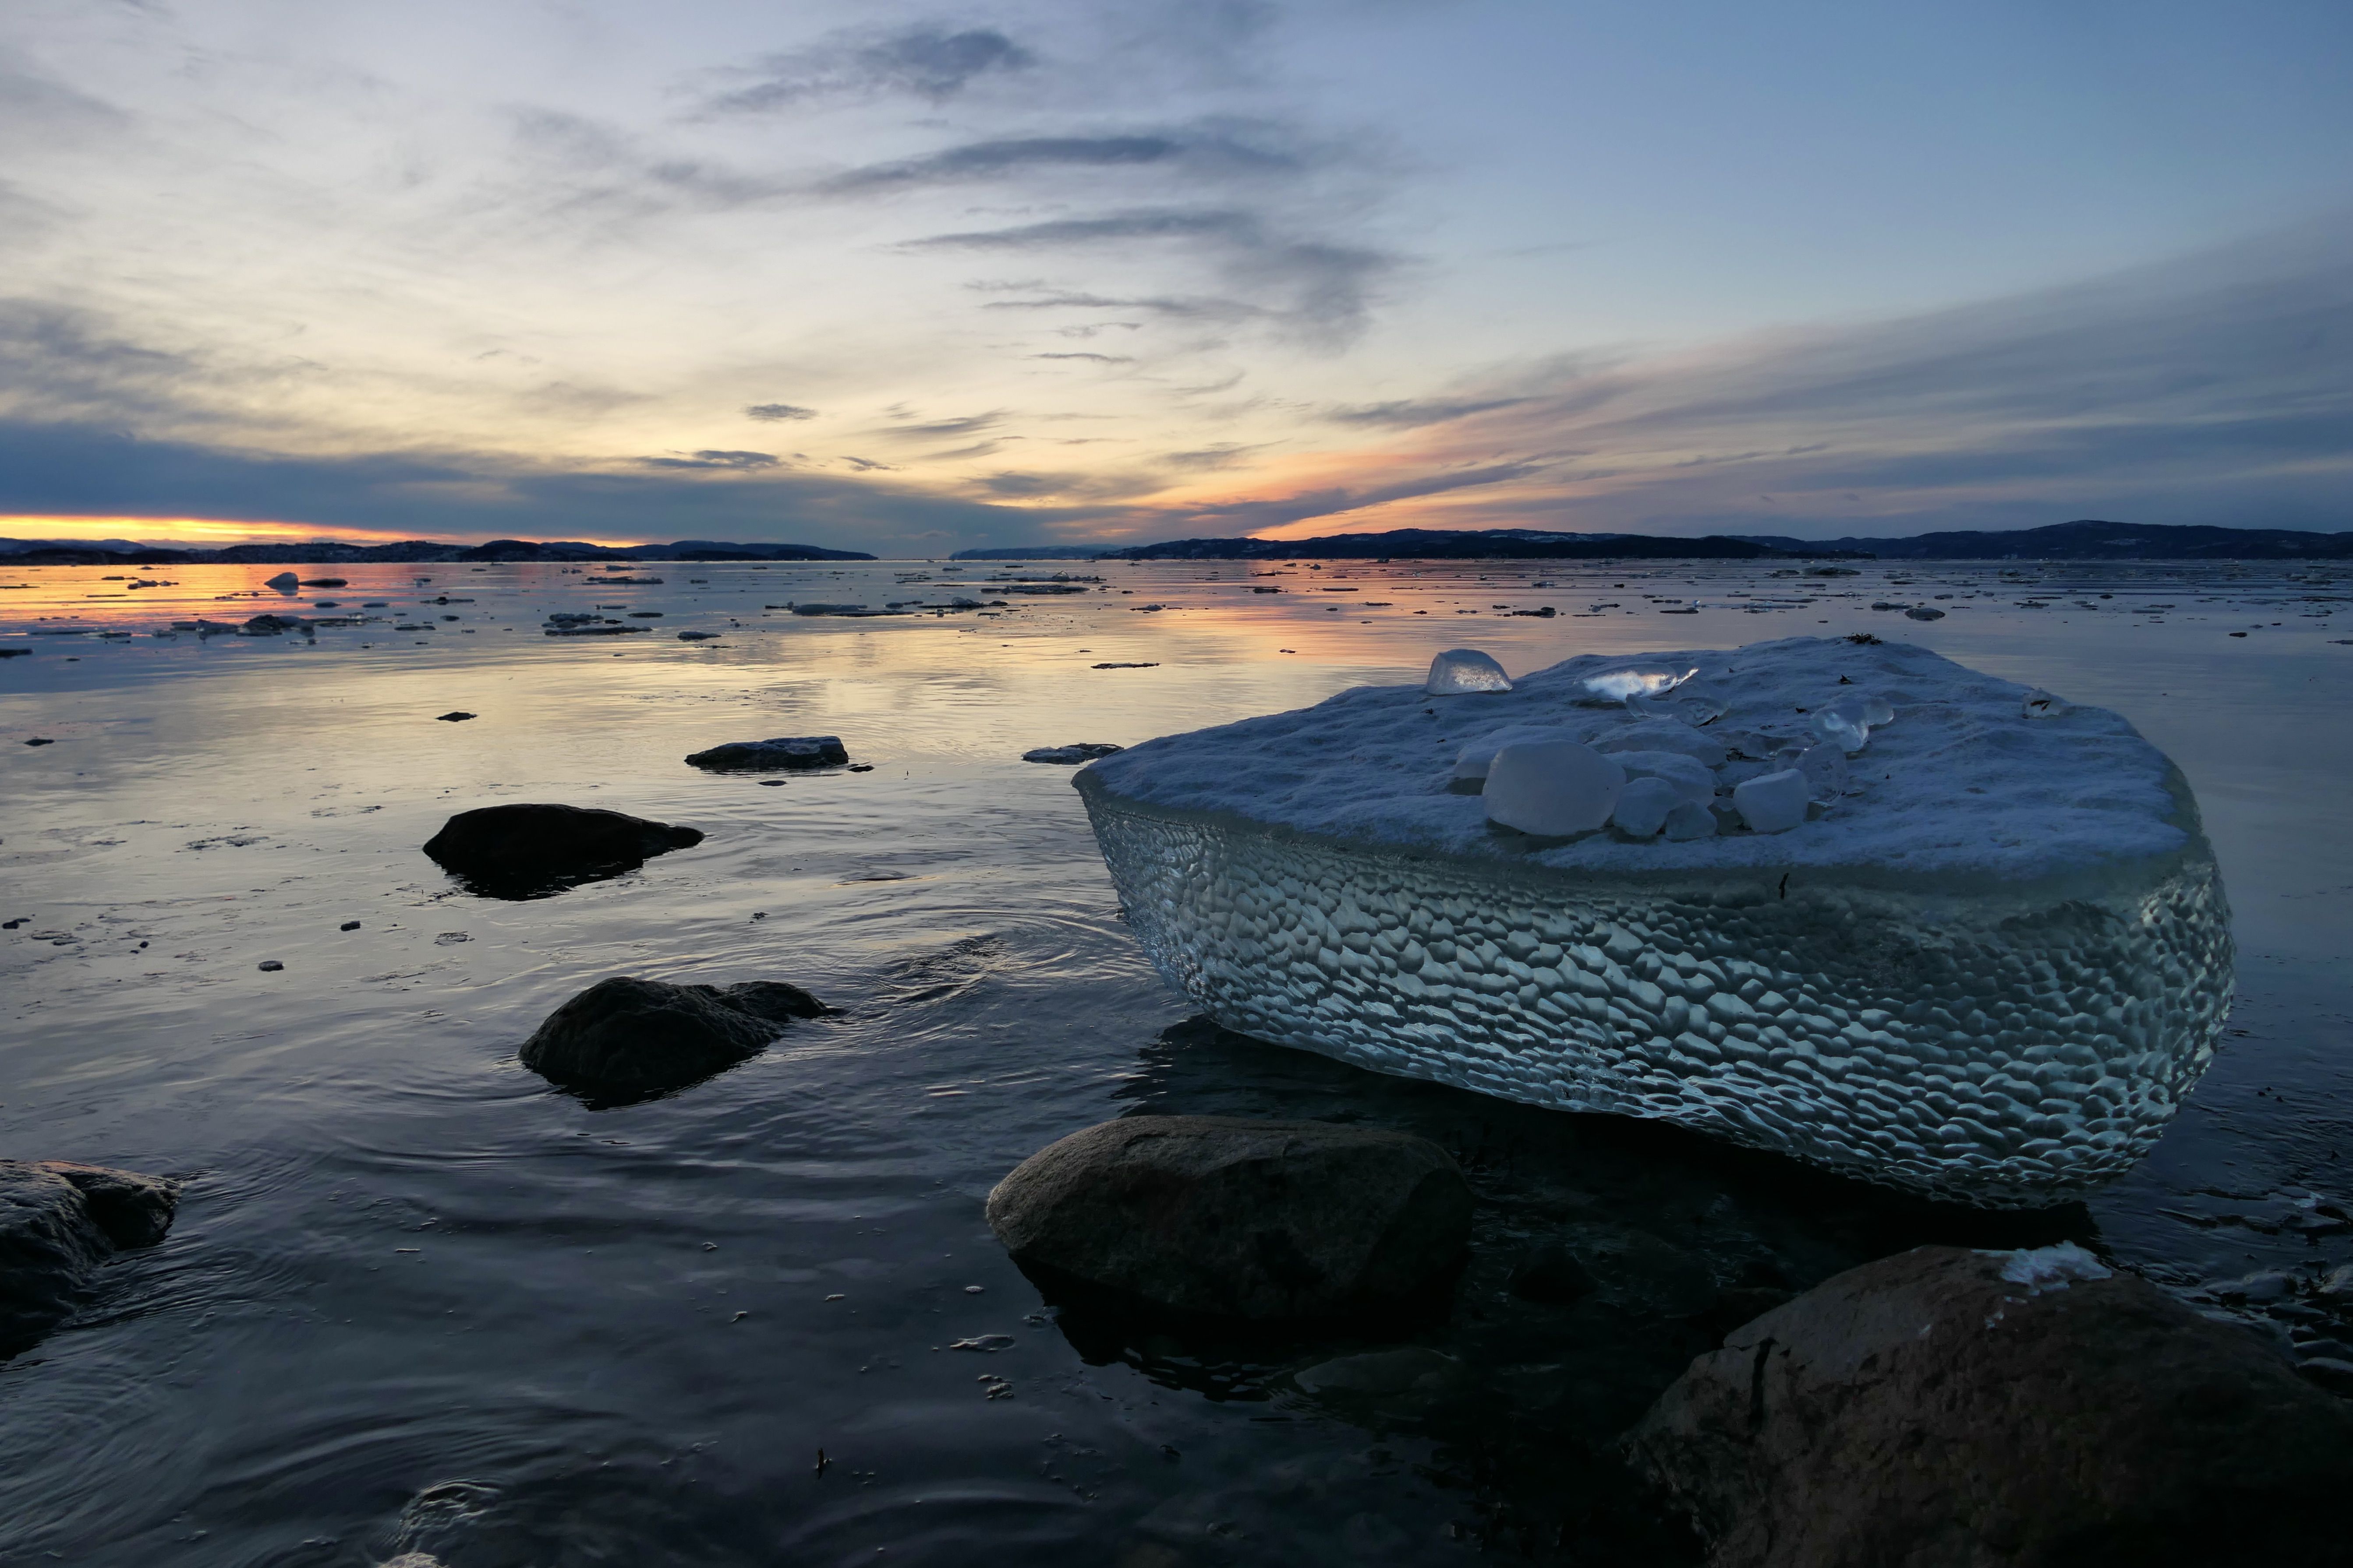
{"x":1466,"y":544}
{"x":2088,"y":540}
{"x":334,"y":552}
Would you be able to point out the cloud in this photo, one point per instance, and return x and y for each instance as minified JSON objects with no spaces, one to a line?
{"x":1318,"y":289}
{"x":1407,"y":413}
{"x":772,"y":412}
{"x":716,"y":460}
{"x":1248,"y":516}
{"x":2213,"y":389}
{"x":1098,"y":359}
{"x":869,"y":466}
{"x":927,"y":61}
{"x":1201,"y":152}
{"x":934,"y":429}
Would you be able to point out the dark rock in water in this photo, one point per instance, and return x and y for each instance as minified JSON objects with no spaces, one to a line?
{"x":1116,"y":665}
{"x":59,"y":1221}
{"x":511,"y":851}
{"x":1231,"y":1217}
{"x":270,"y":967}
{"x":272,"y":625}
{"x":1409,"y":1372}
{"x":1080,"y":752}
{"x":1947,"y":1407}
{"x":785,"y":752}
{"x":324,"y":582}
{"x":456,"y":716}
{"x":1923,"y":613}
{"x":41,"y":741}
{"x":15,"y":653}
{"x":131,"y":1209}
{"x":285,"y":582}
{"x":626,"y":1037}
{"x":696,"y":637}
{"x":1551,"y":1274}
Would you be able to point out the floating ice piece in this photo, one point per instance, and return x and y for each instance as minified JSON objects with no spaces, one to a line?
{"x":1644,"y":803}
{"x":1551,"y":788}
{"x":1992,"y":978}
{"x":1620,"y":684}
{"x":1662,"y":735}
{"x":1687,"y":777}
{"x":1773,"y":803}
{"x":1689,"y":820}
{"x":1463,"y":669}
{"x":1478,"y":756}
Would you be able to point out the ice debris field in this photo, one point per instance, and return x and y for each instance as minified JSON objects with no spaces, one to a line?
{"x":1846,"y":900}
{"x":1966,"y":773}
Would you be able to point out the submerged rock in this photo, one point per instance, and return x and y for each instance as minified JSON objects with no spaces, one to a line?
{"x":1231,"y":1217}
{"x":513,"y":850}
{"x":59,"y":1221}
{"x":1078,"y":752}
{"x":1951,"y":1407}
{"x":784,"y":752}
{"x":625,"y":1036}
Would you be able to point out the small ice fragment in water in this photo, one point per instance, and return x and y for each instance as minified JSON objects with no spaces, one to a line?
{"x":1462,"y":669}
{"x":1621,"y":685}
{"x":2041,"y":1268}
{"x":1643,"y":804}
{"x":2041,"y":704}
{"x":1551,"y":788}
{"x":1687,"y":822}
{"x":1479,"y":755}
{"x":1775,"y":803}
{"x":1688,"y":778}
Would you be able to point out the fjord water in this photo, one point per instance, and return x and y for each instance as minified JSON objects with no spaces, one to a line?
{"x":417,"y":1299}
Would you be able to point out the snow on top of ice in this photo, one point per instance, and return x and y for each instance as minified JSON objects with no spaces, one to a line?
{"x":2041,"y":1268}
{"x":1961,"y":780}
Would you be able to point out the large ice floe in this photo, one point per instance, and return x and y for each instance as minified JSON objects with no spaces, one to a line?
{"x":1853,"y":903}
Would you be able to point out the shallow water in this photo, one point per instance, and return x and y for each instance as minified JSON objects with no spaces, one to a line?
{"x":417,"y":1299}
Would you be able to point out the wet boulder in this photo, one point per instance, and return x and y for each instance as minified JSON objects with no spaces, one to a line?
{"x":285,"y":582}
{"x":519,"y":850}
{"x":625,"y":1037}
{"x":1967,"y":1409}
{"x":1230,"y":1217}
{"x":59,"y":1221}
{"x":784,"y":752}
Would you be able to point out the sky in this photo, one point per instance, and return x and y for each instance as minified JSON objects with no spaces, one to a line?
{"x":913,"y":278}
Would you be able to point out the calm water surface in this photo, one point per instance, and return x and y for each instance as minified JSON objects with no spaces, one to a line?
{"x":416,"y":1299}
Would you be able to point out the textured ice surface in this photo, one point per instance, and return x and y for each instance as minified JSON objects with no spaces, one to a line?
{"x":1459,"y":670}
{"x":1992,"y":973}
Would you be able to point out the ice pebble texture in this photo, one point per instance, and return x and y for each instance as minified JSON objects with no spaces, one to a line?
{"x":1642,"y":807}
{"x":1773,"y":803}
{"x":1997,"y":998}
{"x":1663,"y":735}
{"x":1474,"y":759}
{"x":1685,"y":776}
{"x":1463,"y":669}
{"x":1551,"y":788}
